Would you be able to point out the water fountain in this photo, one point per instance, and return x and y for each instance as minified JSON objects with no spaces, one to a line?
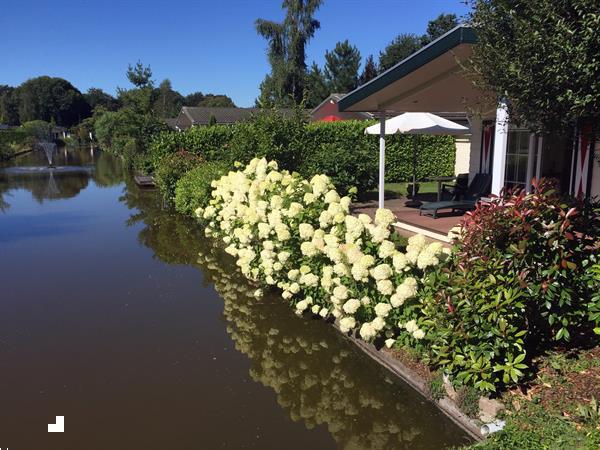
{"x":49,"y":148}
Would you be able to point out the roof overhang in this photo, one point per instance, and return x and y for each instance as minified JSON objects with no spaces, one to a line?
{"x":430,"y":80}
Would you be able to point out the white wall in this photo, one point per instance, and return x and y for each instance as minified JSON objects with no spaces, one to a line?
{"x":463,"y":154}
{"x":475,"y":147}
{"x":595,"y":188}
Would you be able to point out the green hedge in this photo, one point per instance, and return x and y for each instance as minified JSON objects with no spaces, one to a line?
{"x":339,"y":149}
{"x":194,"y":188}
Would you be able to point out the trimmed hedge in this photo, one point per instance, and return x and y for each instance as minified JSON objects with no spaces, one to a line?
{"x":340,"y":150}
{"x":194,"y":188}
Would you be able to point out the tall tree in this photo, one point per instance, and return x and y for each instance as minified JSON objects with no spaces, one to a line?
{"x":168,"y":102}
{"x":139,"y":75}
{"x":287,"y":52}
{"x":369,"y":71}
{"x":216,"y":100}
{"x":543,"y":56}
{"x":52,"y":100}
{"x":9,"y":105}
{"x":400,"y":48}
{"x":141,"y":98}
{"x":193,"y":99}
{"x":341,"y":67}
{"x":316,"y":86}
{"x":97,"y":97}
{"x":439,"y":26}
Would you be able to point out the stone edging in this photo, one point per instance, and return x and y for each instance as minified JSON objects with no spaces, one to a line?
{"x":396,"y":367}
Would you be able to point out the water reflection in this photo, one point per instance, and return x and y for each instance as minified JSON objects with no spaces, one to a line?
{"x":72,"y":173}
{"x":319,"y":378}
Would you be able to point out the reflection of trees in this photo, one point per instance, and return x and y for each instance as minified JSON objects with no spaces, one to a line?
{"x":319,"y":378}
{"x":109,"y":170}
{"x":46,"y":185}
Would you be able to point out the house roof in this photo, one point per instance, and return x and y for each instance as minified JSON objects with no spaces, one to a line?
{"x":171,"y":122}
{"x":415,"y":83}
{"x":336,"y":99}
{"x":201,"y":115}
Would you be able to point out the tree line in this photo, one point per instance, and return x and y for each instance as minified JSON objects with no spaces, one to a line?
{"x":291,"y":82}
{"x":56,"y":100}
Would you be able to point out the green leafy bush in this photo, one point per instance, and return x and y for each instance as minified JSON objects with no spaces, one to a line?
{"x":171,"y":168}
{"x":11,"y":141}
{"x":194,"y":189}
{"x":340,"y":150}
{"x":520,"y":280}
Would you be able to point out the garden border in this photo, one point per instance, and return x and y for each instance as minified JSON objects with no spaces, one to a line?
{"x":410,"y":377}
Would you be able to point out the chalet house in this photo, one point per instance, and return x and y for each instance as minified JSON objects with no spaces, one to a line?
{"x":328,"y":111}
{"x":433,"y":80}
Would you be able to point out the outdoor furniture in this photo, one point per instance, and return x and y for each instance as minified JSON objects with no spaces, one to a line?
{"x":479,"y":187}
{"x":456,"y":190}
{"x":440,"y":185}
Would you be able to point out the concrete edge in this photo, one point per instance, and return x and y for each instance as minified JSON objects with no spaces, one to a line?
{"x":397,"y":368}
{"x":418,"y":230}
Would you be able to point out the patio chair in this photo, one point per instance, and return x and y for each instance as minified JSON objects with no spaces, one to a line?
{"x":458,"y":189}
{"x":479,"y":187}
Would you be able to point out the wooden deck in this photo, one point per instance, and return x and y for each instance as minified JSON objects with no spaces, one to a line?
{"x":144,"y":181}
{"x":409,"y":220}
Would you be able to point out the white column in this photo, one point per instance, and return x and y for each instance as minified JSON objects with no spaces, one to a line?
{"x":500,"y":146}
{"x":530,"y":162}
{"x":381,"y":158}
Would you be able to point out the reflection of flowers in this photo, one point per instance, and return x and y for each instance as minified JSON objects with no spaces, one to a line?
{"x":299,"y":236}
{"x":320,"y":378}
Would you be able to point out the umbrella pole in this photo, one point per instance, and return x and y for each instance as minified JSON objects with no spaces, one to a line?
{"x":414,"y":193}
{"x":381,"y":158}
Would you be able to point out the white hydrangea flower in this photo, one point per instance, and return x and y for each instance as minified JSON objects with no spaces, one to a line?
{"x":381,"y":272}
{"x":419,"y":334}
{"x":382,"y":309}
{"x":324,"y":312}
{"x":384,"y":217}
{"x":385,"y":287}
{"x":367,"y":332}
{"x":399,"y":261}
{"x":351,"y":306}
{"x":365,"y":301}
{"x":332,"y":197}
{"x":306,"y":231}
{"x":315,"y":309}
{"x":364,"y":218}
{"x":340,"y":292}
{"x":389,"y":343}
{"x":347,"y":323}
{"x":386,"y":249}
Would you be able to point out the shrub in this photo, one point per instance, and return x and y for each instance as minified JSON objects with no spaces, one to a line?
{"x":298,"y":235}
{"x":340,"y":150}
{"x":171,"y":168}
{"x":194,"y":189}
{"x":520,"y":280}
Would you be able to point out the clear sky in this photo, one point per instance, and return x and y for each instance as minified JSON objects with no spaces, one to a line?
{"x":208,"y":46}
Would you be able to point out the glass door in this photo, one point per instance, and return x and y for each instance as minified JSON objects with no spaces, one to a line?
{"x":518,"y":159}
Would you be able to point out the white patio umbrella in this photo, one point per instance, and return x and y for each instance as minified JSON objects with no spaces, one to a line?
{"x":415,"y":124}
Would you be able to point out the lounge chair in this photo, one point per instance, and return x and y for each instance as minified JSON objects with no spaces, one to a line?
{"x":458,"y":189}
{"x":479,"y":187}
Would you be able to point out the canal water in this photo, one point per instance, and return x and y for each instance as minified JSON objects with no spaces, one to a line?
{"x":120,"y":316}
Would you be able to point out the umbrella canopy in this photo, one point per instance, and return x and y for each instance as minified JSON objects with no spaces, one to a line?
{"x":419,"y":123}
{"x":410,"y":123}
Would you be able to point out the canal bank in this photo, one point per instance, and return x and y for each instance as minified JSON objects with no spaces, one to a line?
{"x":137,"y":322}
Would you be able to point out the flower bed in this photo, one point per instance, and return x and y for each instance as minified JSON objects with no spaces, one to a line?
{"x":298,"y":235}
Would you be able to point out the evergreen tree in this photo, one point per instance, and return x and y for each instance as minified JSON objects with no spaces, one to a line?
{"x":369,"y":71}
{"x":193,"y":99}
{"x":341,"y":67}
{"x":168,"y":102}
{"x":287,"y":56}
{"x":400,"y":48}
{"x":439,"y":26}
{"x":316,"y":86}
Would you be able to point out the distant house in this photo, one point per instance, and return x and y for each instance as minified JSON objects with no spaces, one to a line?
{"x":190,"y":116}
{"x":328,"y":111}
{"x":171,"y":122}
{"x":60,"y":132}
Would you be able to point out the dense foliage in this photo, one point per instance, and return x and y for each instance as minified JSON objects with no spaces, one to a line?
{"x":194,"y":188}
{"x":521,"y":281}
{"x":340,"y":150}
{"x":543,"y":56}
{"x":173,"y":167}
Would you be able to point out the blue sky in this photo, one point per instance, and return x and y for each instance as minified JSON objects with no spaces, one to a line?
{"x":210,"y":46}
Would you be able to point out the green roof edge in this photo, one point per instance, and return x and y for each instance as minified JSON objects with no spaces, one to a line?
{"x":461,"y":34}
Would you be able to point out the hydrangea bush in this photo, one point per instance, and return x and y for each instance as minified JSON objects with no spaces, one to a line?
{"x":299,"y":236}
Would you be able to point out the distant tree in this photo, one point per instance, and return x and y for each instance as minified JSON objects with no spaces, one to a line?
{"x":216,"y":100}
{"x":341,"y":67}
{"x":9,"y":105}
{"x":439,"y":26}
{"x":316,"y":86}
{"x":542,"y":55}
{"x":406,"y":44}
{"x":193,"y":99}
{"x":287,"y":52}
{"x":212,"y":120}
{"x":369,"y":71}
{"x":51,"y":100}
{"x":139,"y":75}
{"x":141,"y":98}
{"x":168,"y":102}
{"x":96,"y":97}
{"x":400,"y":48}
